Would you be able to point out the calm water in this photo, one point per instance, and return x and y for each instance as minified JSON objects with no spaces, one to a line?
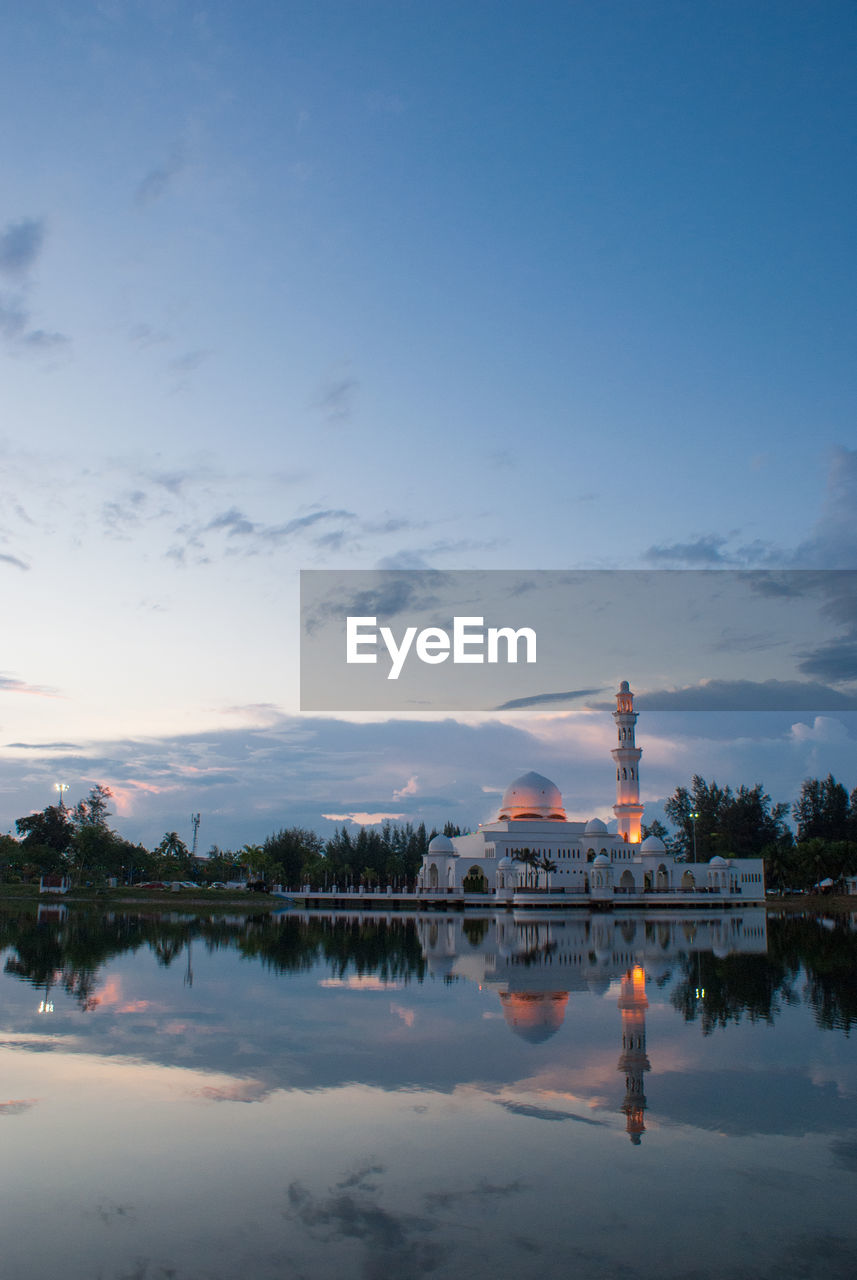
{"x":382,"y":1096}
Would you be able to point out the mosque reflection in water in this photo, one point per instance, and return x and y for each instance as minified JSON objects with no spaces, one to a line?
{"x":535,"y":964}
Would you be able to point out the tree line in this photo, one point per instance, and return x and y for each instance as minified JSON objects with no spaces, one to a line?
{"x":746,"y":823}
{"x":707,"y":819}
{"x":79,"y":842}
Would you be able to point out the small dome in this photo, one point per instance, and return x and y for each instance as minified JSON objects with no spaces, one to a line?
{"x":717,"y":861}
{"x":653,"y":844}
{"x":443,"y":846}
{"x":505,"y":864}
{"x":532,"y":796}
{"x":624,"y":687}
{"x":595,"y":827}
{"x":601,"y":861}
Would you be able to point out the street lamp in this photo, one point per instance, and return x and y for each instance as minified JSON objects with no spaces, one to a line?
{"x":693,"y":818}
{"x":61,"y":787}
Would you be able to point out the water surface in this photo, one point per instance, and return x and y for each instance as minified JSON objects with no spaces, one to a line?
{"x":369,"y":1095}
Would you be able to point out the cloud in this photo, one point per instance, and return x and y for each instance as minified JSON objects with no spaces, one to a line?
{"x":181,"y":367}
{"x":422,"y":558}
{"x":392,"y":1241}
{"x":836,"y":661}
{"x":20,"y":245}
{"x":143,"y":335}
{"x":844,"y":1151}
{"x":15,"y":1106}
{"x":246,"y":536}
{"x":123,"y":512}
{"x":409,"y":789}
{"x":238,"y":1091}
{"x":157,"y":180}
{"x":364,"y":819}
{"x":15,"y":328}
{"x":9,"y":684}
{"x":335,"y":400}
{"x":395,"y":593}
{"x":233,"y":521}
{"x":704,"y":550}
{"x":544,"y":1113}
{"x":13,"y":560}
{"x":746,"y":695}
{"x":832,"y":542}
{"x":822,"y":730}
{"x":538,"y":699}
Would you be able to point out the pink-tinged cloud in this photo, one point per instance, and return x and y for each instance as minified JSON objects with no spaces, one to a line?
{"x":9,"y":684}
{"x":361,"y":982}
{"x":409,"y":789}
{"x":363,"y":819}
{"x":111,"y":996}
{"x":408,"y":1016}
{"x":15,"y":1106}
{"x":239,"y":1091}
{"x":125,"y":794}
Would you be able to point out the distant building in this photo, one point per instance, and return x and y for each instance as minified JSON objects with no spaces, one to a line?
{"x":54,"y":884}
{"x":533,"y":848}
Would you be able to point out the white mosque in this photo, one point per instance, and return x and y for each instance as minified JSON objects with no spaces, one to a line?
{"x":533,"y":849}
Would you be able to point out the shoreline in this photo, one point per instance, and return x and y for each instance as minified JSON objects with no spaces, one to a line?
{"x":254,"y":903}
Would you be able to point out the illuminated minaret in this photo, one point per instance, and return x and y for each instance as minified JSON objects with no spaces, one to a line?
{"x":633,"y":1060}
{"x":627,"y":808}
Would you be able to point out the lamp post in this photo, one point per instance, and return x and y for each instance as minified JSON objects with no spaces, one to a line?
{"x":693,"y":818}
{"x":61,"y":787}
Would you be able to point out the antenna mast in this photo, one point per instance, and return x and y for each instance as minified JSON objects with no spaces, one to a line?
{"x":195,"y":818}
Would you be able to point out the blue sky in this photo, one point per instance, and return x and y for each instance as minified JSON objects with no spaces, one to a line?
{"x":383,"y":284}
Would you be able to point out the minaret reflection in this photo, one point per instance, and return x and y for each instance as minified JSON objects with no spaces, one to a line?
{"x":540,"y":963}
{"x":633,"y":1004}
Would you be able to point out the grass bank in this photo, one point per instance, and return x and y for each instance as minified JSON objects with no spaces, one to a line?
{"x":815,"y":904}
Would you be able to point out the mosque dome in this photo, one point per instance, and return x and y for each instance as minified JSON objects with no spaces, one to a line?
{"x":505,"y":864}
{"x":601,"y":861}
{"x":717,"y":861}
{"x":652,"y":844}
{"x":595,"y":827}
{"x":532,"y":796}
{"x":534,"y":1015}
{"x":442,"y":846}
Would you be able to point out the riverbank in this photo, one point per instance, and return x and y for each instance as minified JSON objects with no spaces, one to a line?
{"x":232,"y":900}
{"x":827,"y":904}
{"x":206,"y":900}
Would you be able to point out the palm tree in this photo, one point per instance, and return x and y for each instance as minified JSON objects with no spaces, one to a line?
{"x":545,"y":863}
{"x":172,"y":846}
{"x":530,"y":861}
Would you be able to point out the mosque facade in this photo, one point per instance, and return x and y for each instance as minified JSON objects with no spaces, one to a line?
{"x":533,"y":849}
